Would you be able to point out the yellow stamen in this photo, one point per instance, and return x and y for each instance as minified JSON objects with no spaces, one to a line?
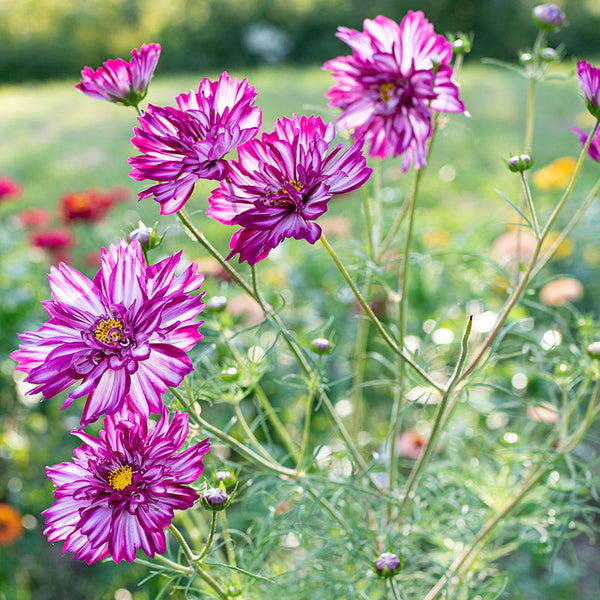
{"x":296,"y":185}
{"x":386,"y":91}
{"x":109,"y":331}
{"x":120,"y":478}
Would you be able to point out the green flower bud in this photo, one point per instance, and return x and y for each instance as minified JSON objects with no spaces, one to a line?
{"x":216,"y":304}
{"x":215,"y":499}
{"x":321,"y":346}
{"x":146,"y":236}
{"x":229,"y":375}
{"x":227,"y":478}
{"x":594,"y":350}
{"x":519,"y":163}
{"x":387,"y":565}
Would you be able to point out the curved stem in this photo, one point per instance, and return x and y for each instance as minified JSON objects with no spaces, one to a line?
{"x":249,"y":433}
{"x":307,"y":420}
{"x":384,"y":334}
{"x":229,"y":547}
{"x":529,"y":200}
{"x":173,"y":565}
{"x":184,"y":545}
{"x":211,"y":536}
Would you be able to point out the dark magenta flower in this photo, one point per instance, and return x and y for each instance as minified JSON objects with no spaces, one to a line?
{"x":396,"y":76}
{"x":124,"y":335}
{"x":594,"y":149}
{"x":120,"y":81}
{"x":184,"y":144}
{"x":120,"y":491}
{"x":282,"y":183}
{"x":9,"y":189}
{"x":589,"y":82}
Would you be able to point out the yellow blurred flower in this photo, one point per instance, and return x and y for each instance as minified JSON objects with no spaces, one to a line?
{"x":436,"y":238}
{"x":556,"y":175}
{"x":10,"y":525}
{"x":591,"y":255}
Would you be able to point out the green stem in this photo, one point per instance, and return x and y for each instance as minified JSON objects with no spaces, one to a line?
{"x":307,"y":419}
{"x":365,"y":306}
{"x":530,"y":267}
{"x":439,"y":421}
{"x":249,"y":433}
{"x":329,"y":508}
{"x":211,"y":536}
{"x":394,"y":590}
{"x":529,"y":199}
{"x":534,"y":73}
{"x":184,"y":545}
{"x":369,"y":221}
{"x":173,"y":565}
{"x":229,"y":547}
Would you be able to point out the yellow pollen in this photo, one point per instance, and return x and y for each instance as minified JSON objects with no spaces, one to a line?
{"x":109,"y":331}
{"x":296,"y":185}
{"x":120,"y":478}
{"x":386,"y":90}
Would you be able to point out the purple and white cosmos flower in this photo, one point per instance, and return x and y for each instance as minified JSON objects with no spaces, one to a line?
{"x":122,"y":488}
{"x":124,"y":335}
{"x":184,"y":144}
{"x":120,"y":81}
{"x":589,"y":82}
{"x":282,"y":183}
{"x":396,"y":76}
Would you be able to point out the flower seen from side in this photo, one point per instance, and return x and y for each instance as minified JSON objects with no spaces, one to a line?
{"x":594,"y":149}
{"x":124,"y":336}
{"x":589,"y":83}
{"x":120,"y":81}
{"x":121,"y":489}
{"x":282,"y":183}
{"x":389,"y":87}
{"x":181,"y":145}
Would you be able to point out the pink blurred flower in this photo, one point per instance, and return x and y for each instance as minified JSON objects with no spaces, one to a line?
{"x":33,"y":217}
{"x":52,"y":239}
{"x":181,"y":145}
{"x":120,"y":81}
{"x":282,"y":183}
{"x":396,"y":76}
{"x":594,"y":149}
{"x":9,"y":189}
{"x":124,"y":336}
{"x":121,"y":489}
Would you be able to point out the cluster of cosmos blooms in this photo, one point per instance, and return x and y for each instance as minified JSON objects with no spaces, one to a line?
{"x":124,"y":336}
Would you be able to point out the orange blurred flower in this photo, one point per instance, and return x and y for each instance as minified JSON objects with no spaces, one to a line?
{"x":11,"y":528}
{"x":557,"y":292}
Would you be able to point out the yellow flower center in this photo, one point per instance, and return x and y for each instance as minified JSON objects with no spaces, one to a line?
{"x":296,"y":185}
{"x":109,"y":331}
{"x":386,"y":90}
{"x":120,"y":478}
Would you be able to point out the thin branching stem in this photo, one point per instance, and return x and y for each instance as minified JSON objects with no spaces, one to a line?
{"x":529,"y":200}
{"x":249,"y":433}
{"x":229,"y":547}
{"x":211,"y":536}
{"x":312,"y":387}
{"x":189,"y":554}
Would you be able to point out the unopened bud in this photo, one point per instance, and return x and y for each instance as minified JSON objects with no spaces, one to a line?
{"x":227,"y":478}
{"x":548,"y":17}
{"x":215,"y":499}
{"x":525,"y":58}
{"x":461,"y":43}
{"x":321,"y":346}
{"x":229,"y":375}
{"x":594,"y":350}
{"x":549,"y":55}
{"x":387,"y":564}
{"x":146,"y":236}
{"x":519,"y":163}
{"x":216,"y":304}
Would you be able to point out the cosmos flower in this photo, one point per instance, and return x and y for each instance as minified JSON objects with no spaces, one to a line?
{"x":396,"y":76}
{"x":120,"y":81}
{"x":181,"y":145}
{"x":589,"y":82}
{"x":122,"y":488}
{"x":594,"y":149}
{"x":282,"y":183}
{"x":124,"y":335}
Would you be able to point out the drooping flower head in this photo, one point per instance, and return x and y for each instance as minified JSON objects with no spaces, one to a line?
{"x":594,"y":149}
{"x":282,"y":183}
{"x":122,"y":488}
{"x":120,"y":81}
{"x":589,"y":82}
{"x":181,"y":145}
{"x":396,"y":76}
{"x":124,"y":335}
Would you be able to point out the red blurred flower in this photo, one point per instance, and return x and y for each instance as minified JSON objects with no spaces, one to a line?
{"x":33,"y":217}
{"x":88,"y":205}
{"x":52,"y":239}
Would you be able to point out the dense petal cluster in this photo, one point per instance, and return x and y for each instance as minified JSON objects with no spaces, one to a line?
{"x":594,"y":149}
{"x":181,"y":145}
{"x":396,"y":76}
{"x":122,"y":488}
{"x":589,"y":82}
{"x":124,"y":335}
{"x":282,"y":183}
{"x":120,"y":81}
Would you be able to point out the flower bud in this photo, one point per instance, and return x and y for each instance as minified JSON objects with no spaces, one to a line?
{"x":387,"y":564}
{"x":229,"y":375}
{"x":549,"y":55}
{"x":233,"y":591}
{"x":216,"y":304}
{"x":548,"y":17}
{"x":519,"y":163}
{"x":227,"y":478}
{"x":146,"y":236}
{"x":461,"y":43}
{"x":321,"y":346}
{"x":215,"y":499}
{"x":594,"y":350}
{"x":525,"y":58}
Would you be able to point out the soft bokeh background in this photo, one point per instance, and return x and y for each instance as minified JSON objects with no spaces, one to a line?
{"x":55,"y":140}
